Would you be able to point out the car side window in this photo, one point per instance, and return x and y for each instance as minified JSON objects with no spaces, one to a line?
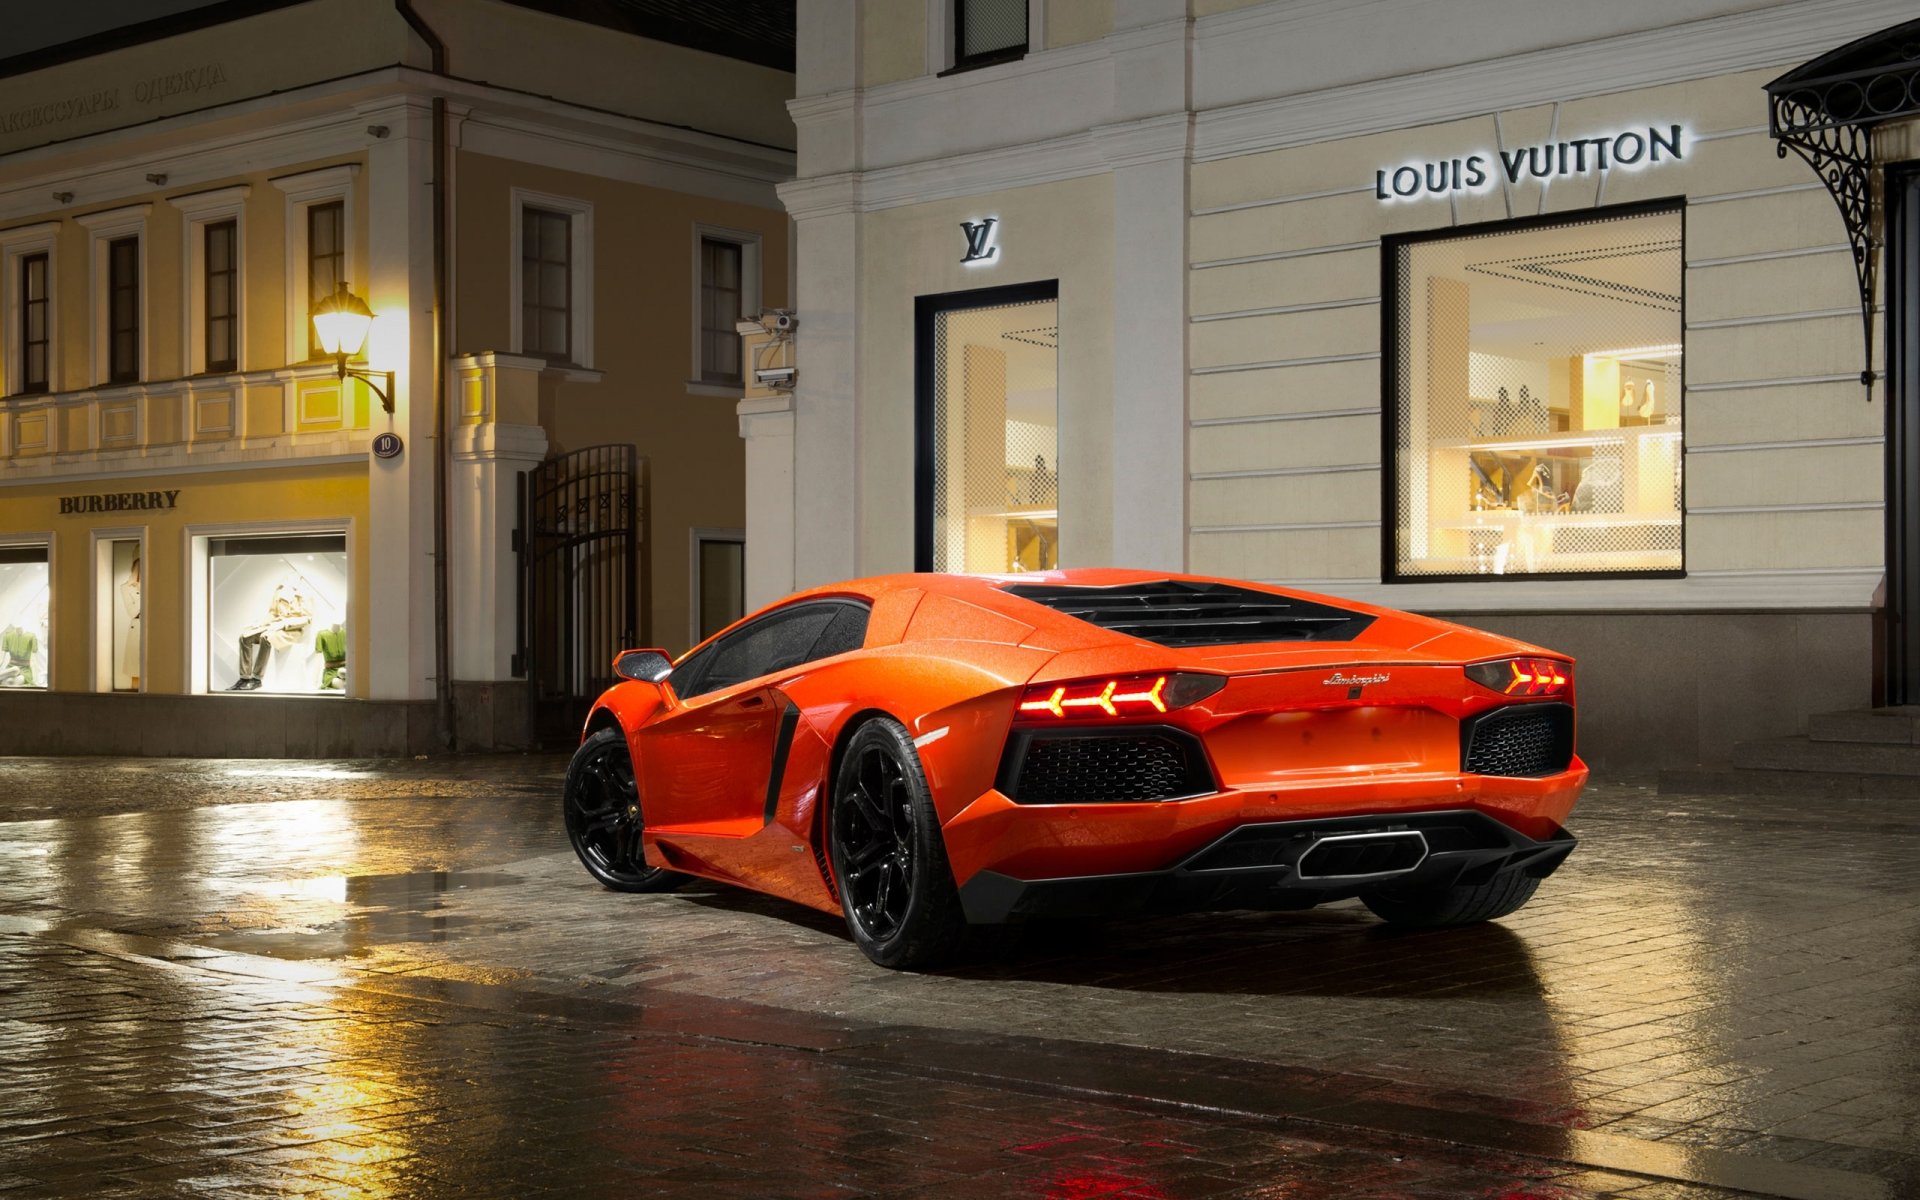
{"x":847,"y":631}
{"x":778,"y":641}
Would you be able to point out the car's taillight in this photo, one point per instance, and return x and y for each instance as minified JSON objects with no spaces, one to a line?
{"x":1117,"y":696}
{"x":1527,"y":677}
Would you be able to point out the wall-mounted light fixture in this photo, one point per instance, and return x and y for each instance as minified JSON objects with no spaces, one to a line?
{"x":378,"y":131}
{"x":157,"y":178}
{"x":342,"y":321}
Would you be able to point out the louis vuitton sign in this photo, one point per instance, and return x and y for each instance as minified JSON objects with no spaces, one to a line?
{"x":1626,"y":151}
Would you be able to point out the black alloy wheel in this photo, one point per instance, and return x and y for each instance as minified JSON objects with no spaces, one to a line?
{"x":889,"y":857}
{"x":604,"y":819}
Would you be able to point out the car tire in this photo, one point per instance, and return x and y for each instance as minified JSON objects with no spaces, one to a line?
{"x":888,"y":854}
{"x":1434,"y":908}
{"x":603,"y":817}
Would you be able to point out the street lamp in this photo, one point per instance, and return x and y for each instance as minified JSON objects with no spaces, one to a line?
{"x":342,"y":321}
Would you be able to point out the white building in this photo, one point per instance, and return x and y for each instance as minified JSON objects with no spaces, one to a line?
{"x":1502,"y":311}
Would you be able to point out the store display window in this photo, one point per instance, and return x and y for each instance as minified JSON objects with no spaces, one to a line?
{"x":276,"y":614}
{"x":1534,"y":421}
{"x":123,"y":621}
{"x":990,"y":433}
{"x":24,"y":595}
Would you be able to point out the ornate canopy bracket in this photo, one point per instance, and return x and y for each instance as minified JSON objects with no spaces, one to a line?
{"x":1826,"y":112}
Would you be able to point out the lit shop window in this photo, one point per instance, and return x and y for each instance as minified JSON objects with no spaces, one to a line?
{"x":1534,"y":404}
{"x":277,"y":614}
{"x":123,"y":604}
{"x":994,"y":423}
{"x":23,"y":616}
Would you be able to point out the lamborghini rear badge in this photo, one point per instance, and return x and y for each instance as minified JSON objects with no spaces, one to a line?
{"x":1353,"y":683}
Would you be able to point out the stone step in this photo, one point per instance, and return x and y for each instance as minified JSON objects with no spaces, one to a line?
{"x":1841,"y":758}
{"x":1893,"y":726}
{"x":1816,"y":785}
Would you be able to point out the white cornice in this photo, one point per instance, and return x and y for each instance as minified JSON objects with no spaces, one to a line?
{"x":328,"y":120}
{"x":826,"y":106}
{"x":1699,"y":49}
{"x":38,"y":231}
{"x":1154,"y":139}
{"x":114,"y":218}
{"x":213,"y":199}
{"x":821,"y":196}
{"x":325,"y":181}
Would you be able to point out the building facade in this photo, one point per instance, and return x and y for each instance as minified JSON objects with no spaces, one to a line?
{"x":1523,"y":319}
{"x":213,"y":540}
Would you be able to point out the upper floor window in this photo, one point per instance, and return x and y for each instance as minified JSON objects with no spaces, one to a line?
{"x":320,"y":252}
{"x":720,"y":310}
{"x":123,"y":310}
{"x":34,"y":338}
{"x":988,"y":31}
{"x":221,"y":282}
{"x":326,"y":259}
{"x":546,"y":284}
{"x":551,"y":292}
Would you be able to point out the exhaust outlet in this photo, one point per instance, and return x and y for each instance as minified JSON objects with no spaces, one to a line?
{"x":1348,"y":856}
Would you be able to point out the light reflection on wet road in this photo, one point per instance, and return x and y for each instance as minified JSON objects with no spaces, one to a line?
{"x":396,"y":981}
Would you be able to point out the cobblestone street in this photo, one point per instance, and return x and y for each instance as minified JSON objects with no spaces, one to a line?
{"x":265,"y":978}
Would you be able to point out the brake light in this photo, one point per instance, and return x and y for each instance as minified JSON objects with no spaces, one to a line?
{"x":1528,"y":677}
{"x":1119,"y":696}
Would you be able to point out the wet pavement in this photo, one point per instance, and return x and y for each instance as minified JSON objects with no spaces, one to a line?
{"x":357,"y":979}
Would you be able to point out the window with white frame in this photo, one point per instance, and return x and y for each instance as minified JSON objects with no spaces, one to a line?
{"x":213,"y":277}
{"x":719,"y":581}
{"x":35,"y":319}
{"x":118,"y":251}
{"x":29,"y":316}
{"x":552,"y":273}
{"x":546,"y":284}
{"x":321,"y":250}
{"x":988,"y":31}
{"x":726,"y":290}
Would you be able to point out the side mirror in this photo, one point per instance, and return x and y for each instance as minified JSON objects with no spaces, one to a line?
{"x":644,"y":666}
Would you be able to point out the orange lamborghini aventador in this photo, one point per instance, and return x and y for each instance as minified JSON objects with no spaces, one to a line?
{"x":925,"y":752}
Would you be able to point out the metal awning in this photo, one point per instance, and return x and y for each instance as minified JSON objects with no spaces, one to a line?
{"x":1826,"y":111}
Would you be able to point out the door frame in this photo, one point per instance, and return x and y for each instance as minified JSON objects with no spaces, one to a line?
{"x":1899,"y":664}
{"x":926,"y":311}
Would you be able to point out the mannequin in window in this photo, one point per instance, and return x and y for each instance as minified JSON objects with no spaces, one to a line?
{"x":130,"y":645}
{"x":331,"y":645}
{"x":287,"y":618}
{"x":1040,"y":486}
{"x":17,"y":648}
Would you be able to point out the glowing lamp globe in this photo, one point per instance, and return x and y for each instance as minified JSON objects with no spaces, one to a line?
{"x":341,"y":321}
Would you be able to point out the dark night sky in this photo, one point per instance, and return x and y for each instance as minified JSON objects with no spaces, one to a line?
{"x":27,"y":25}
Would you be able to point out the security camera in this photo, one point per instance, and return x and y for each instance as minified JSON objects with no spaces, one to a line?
{"x":782,"y":321}
{"x":773,"y":377}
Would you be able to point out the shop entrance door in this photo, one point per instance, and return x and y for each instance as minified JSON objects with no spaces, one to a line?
{"x":582,"y":584}
{"x":1902,"y":662}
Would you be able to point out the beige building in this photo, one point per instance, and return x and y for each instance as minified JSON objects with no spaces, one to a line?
{"x":1516,"y":314}
{"x":210,"y":539}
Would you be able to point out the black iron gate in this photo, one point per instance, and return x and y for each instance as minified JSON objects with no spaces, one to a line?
{"x":581,"y":580}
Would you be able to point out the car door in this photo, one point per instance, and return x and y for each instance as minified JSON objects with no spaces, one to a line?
{"x":704,"y":766}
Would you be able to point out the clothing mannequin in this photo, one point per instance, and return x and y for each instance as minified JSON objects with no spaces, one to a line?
{"x":130,"y":646}
{"x":17,"y":648}
{"x":331,"y":644}
{"x":288,"y":616}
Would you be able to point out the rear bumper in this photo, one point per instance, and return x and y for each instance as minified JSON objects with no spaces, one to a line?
{"x":1281,"y":865}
